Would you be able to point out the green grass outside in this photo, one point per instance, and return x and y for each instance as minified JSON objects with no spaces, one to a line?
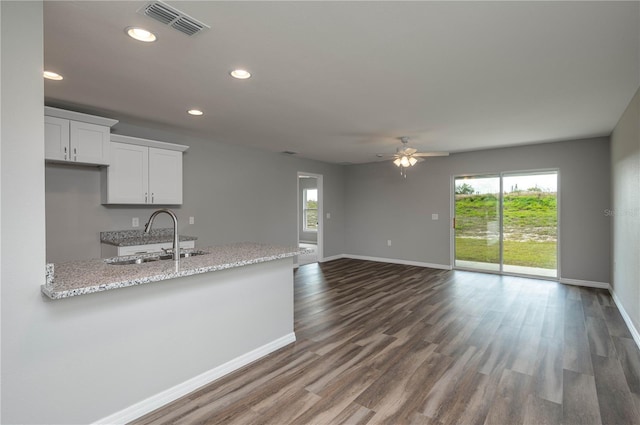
{"x":529,"y":223}
{"x":516,"y":253}
{"x":523,"y":210}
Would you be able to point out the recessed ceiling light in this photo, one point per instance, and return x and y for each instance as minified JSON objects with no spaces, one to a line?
{"x":52,"y":75}
{"x":196,"y":112}
{"x":240,"y":74}
{"x":141,"y":34}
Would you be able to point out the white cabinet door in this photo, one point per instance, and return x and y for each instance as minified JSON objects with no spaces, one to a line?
{"x":128,"y":174}
{"x":89,"y":143}
{"x":165,"y":176}
{"x":56,"y":138}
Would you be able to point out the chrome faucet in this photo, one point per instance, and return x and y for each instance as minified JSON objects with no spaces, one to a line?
{"x":176,"y":243}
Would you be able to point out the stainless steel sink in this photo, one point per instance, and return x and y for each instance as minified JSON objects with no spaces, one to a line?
{"x":183,"y":255}
{"x":141,"y":260}
{"x":133,"y":261}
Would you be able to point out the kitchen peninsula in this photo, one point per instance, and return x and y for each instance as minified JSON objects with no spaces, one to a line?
{"x":187,"y":326}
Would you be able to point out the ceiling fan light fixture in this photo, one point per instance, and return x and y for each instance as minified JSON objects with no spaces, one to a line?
{"x":412,"y":161}
{"x":404,"y":161}
{"x":397,"y":162}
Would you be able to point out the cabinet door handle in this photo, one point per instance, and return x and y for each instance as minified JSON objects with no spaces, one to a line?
{"x":152,"y":198}
{"x":146,"y":197}
{"x":65,"y":153}
{"x":75,"y":152}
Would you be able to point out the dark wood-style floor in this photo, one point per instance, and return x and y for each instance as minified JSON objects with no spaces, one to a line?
{"x":393,"y":344}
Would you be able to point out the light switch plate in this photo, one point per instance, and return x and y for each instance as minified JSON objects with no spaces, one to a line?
{"x":191,"y":220}
{"x":434,"y":216}
{"x":135,"y":222}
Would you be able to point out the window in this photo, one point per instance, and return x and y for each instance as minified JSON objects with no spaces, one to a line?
{"x":310,"y":210}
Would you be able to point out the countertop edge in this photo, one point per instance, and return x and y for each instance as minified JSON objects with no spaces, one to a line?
{"x":51,"y":293}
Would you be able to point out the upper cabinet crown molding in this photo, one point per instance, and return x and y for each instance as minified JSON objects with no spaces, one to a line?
{"x":149,"y":143}
{"x":78,"y":116}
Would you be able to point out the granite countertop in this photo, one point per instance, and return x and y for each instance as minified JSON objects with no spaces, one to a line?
{"x":138,"y":237}
{"x":74,"y":278}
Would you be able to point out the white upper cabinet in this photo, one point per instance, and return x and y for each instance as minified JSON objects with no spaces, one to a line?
{"x":165,"y":176}
{"x":75,"y":137}
{"x":56,"y":138}
{"x":143,"y":172}
{"x":128,"y":174}
{"x":89,"y":142}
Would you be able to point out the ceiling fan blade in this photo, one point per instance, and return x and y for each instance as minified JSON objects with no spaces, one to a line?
{"x":405,"y":151}
{"x":426,"y":154}
{"x":410,"y":151}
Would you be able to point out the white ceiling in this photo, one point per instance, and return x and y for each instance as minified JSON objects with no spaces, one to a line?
{"x":341,"y":81}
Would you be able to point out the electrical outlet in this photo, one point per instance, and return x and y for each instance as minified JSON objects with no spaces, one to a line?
{"x":191,"y":220}
{"x":389,"y":242}
{"x":135,"y":222}
{"x":328,"y":216}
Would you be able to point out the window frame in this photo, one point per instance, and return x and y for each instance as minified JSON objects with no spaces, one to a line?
{"x":305,"y":227}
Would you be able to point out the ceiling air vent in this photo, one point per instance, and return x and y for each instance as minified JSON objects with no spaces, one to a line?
{"x":168,"y":15}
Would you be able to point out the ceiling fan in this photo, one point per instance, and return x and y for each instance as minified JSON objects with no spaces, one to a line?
{"x":407,"y":156}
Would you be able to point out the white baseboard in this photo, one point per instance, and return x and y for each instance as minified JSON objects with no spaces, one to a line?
{"x":154,"y":402}
{"x":576,"y":282}
{"x":634,"y":332}
{"x":397,"y":261}
{"x":587,"y":283}
{"x":387,"y":260}
{"x":333,"y":257}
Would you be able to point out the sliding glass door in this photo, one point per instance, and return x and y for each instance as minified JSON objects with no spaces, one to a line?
{"x":507,"y":223}
{"x":477,"y":222}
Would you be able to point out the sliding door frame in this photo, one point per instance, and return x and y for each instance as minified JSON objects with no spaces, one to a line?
{"x":501,"y":175}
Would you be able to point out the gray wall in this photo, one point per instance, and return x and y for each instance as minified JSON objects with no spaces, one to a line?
{"x":381,"y":205}
{"x":22,"y":201}
{"x":625,"y":165}
{"x":254,"y":200}
{"x":305,"y":183}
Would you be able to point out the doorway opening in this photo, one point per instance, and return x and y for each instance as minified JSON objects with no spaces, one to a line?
{"x":310,"y":217}
{"x":507,"y":223}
